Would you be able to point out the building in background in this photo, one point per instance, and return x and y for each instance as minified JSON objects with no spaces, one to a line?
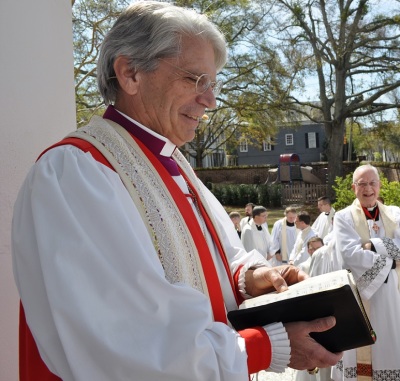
{"x":306,"y":140}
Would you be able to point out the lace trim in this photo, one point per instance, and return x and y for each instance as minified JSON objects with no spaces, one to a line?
{"x":169,"y":232}
{"x":369,"y":276}
{"x":391,"y":248}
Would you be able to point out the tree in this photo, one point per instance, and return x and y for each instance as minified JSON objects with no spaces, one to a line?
{"x":90,"y":21}
{"x":380,"y":142}
{"x":254,"y":79}
{"x":352,"y":49}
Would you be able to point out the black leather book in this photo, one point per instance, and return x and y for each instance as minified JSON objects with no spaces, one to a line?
{"x":332,"y":294}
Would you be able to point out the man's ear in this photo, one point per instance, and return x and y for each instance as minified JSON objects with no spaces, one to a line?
{"x":127,"y":77}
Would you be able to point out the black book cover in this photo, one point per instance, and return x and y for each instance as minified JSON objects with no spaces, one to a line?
{"x":352,"y":329}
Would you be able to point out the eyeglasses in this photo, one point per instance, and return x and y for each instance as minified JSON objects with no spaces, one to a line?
{"x":202,"y":82}
{"x":364,"y":184}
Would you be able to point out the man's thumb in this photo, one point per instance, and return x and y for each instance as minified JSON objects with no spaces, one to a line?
{"x":323,"y":324}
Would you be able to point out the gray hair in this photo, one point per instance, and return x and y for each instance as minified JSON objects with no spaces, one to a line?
{"x":364,"y":167}
{"x":147,"y":31}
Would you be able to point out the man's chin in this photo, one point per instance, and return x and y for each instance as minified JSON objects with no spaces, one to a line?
{"x":369,"y":203}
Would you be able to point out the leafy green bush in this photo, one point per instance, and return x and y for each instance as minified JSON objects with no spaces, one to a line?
{"x":275,"y":195}
{"x":390,"y":191}
{"x":216,"y":190}
{"x":240,"y":195}
{"x":263,"y":195}
{"x":246,"y":193}
{"x":344,"y":194}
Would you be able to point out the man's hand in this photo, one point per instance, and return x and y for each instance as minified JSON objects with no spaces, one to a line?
{"x":306,"y":353}
{"x":266,"y":279}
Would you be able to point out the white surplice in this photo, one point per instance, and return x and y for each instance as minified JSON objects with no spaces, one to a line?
{"x":279,"y":241}
{"x":299,"y":253}
{"x":378,"y":284}
{"x":324,"y":223}
{"x":321,"y":262}
{"x":95,"y":292}
{"x":254,"y":239}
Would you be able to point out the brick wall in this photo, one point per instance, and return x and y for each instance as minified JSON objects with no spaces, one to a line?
{"x":259,"y":174}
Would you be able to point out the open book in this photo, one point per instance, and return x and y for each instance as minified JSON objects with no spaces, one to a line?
{"x":331,"y":294}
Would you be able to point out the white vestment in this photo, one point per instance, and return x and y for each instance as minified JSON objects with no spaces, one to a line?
{"x":324,"y":223}
{"x":325,"y":260}
{"x":254,"y":239}
{"x":244,"y":221}
{"x":95,"y":292}
{"x":378,"y":284}
{"x":281,"y":242}
{"x":321,"y":262}
{"x":299,"y":253}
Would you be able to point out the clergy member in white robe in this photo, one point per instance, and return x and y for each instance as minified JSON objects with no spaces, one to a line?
{"x":374,"y":269}
{"x":313,"y":245}
{"x":299,"y":254}
{"x":318,"y":263}
{"x":283,"y":237}
{"x":324,"y":222}
{"x":326,"y":259}
{"x":255,"y":234}
{"x":248,"y":211}
{"x":125,"y":263}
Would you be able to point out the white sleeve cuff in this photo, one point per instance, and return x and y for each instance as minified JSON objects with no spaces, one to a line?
{"x":242,"y":272}
{"x":379,"y":246}
{"x":280,"y":347}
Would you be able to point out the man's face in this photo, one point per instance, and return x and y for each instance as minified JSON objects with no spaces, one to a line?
{"x":291,"y":217}
{"x":261,"y":218}
{"x":313,"y":246}
{"x":248,"y":210}
{"x":166,"y":100}
{"x":235,"y":220}
{"x":299,"y":224}
{"x":366,"y":188}
{"x":323,"y":206}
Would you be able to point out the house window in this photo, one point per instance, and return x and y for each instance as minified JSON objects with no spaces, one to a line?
{"x":267,"y":146}
{"x":289,"y":139}
{"x":312,"y":140}
{"x":243,"y":147}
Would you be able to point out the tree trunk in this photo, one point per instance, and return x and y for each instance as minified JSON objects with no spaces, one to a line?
{"x":199,"y":158}
{"x":335,"y":135}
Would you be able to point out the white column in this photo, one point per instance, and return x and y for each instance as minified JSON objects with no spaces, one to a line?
{"x":37,"y":109}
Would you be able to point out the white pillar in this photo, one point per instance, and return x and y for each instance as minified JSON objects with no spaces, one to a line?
{"x":37,"y":108}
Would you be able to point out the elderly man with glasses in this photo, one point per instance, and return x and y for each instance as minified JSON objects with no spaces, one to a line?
{"x":125,"y":262}
{"x":364,"y":233}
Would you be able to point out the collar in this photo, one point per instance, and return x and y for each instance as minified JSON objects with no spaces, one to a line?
{"x":372,"y":209}
{"x":160,"y":146}
{"x":371,"y":213}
